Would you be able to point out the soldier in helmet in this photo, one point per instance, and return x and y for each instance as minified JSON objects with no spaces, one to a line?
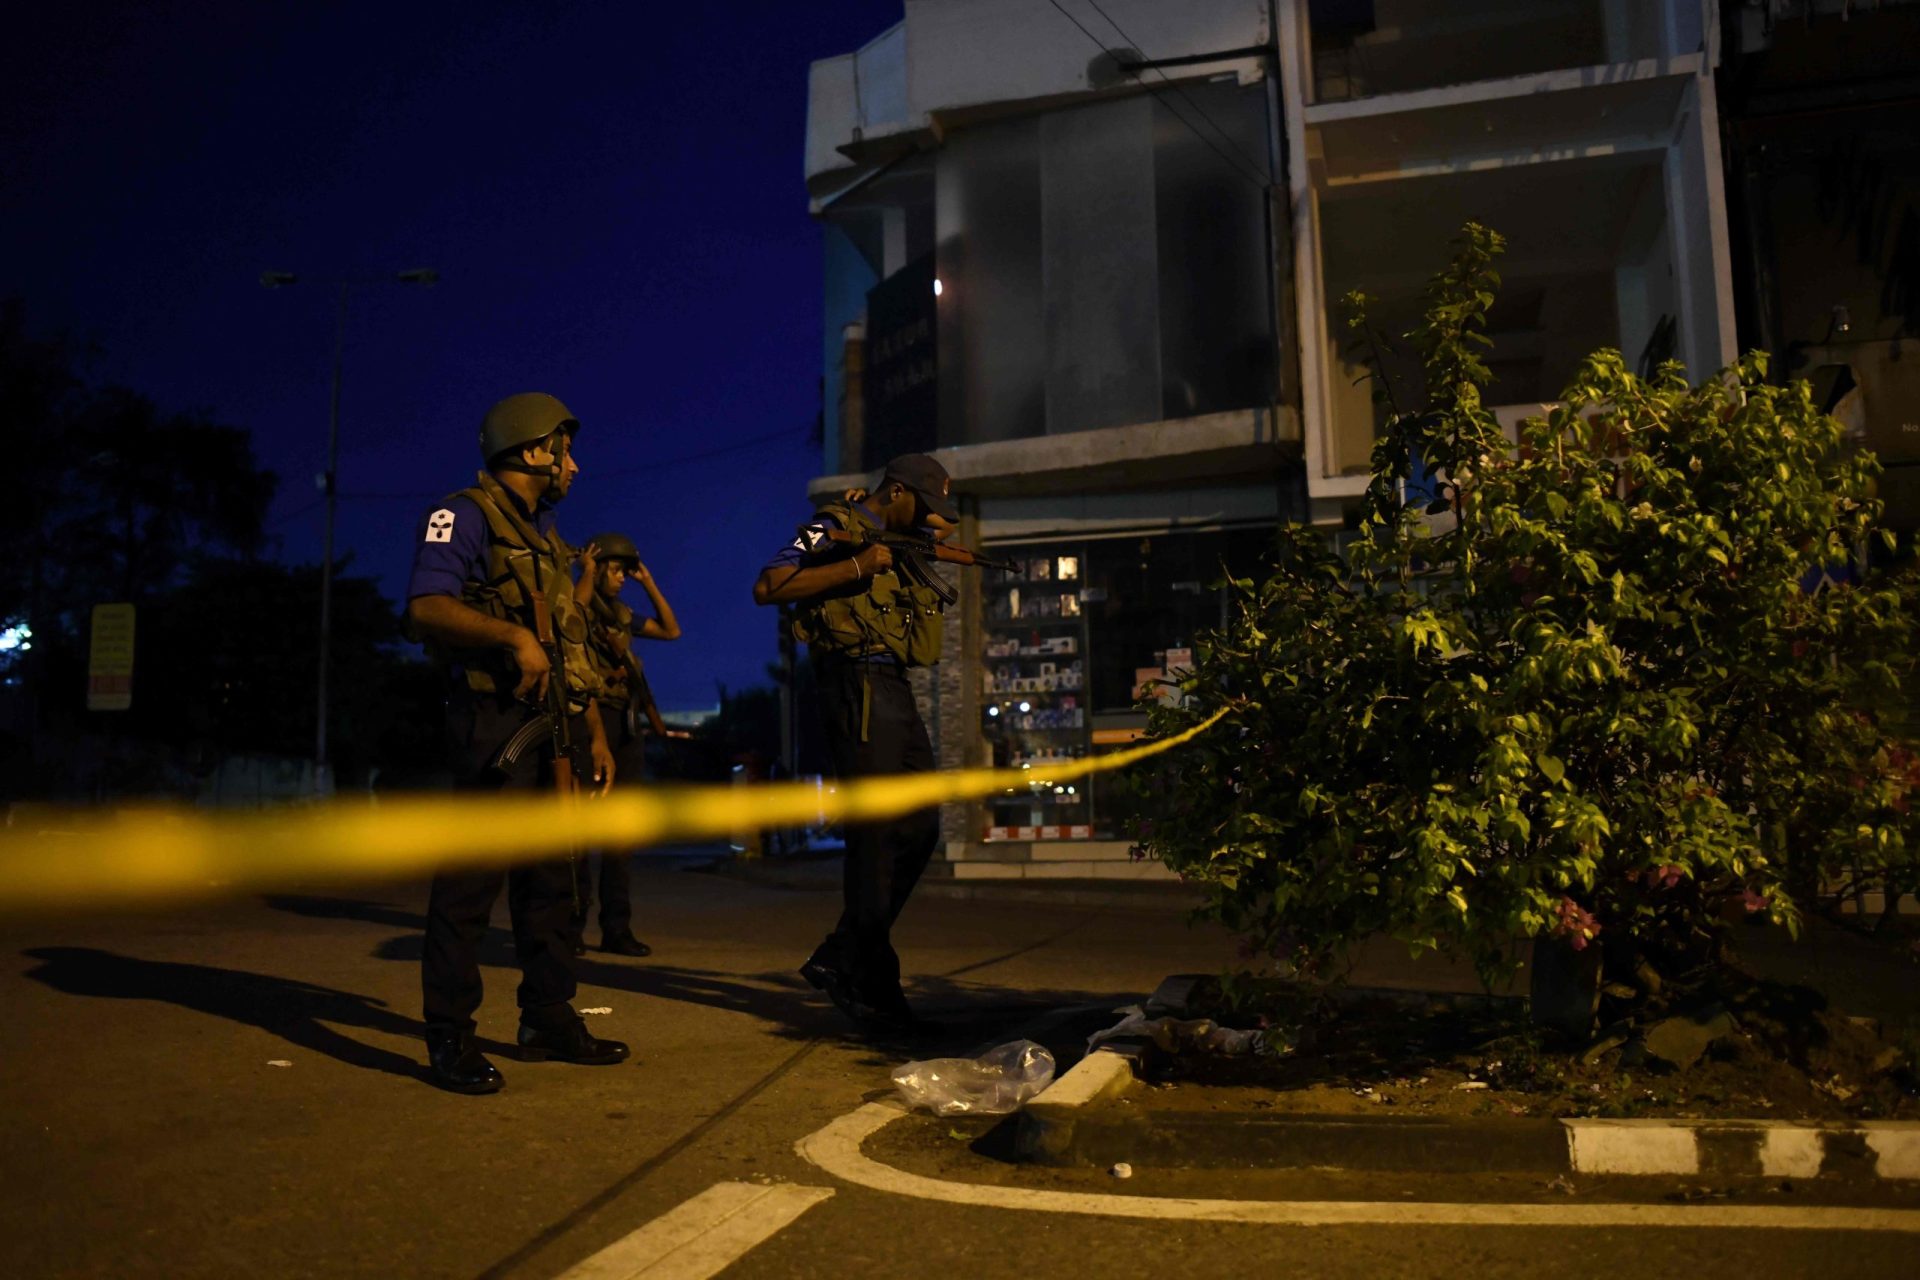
{"x":607,"y":564}
{"x":865,"y":624}
{"x":481,"y":560}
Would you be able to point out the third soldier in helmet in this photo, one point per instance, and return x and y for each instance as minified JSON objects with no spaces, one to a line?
{"x":607,"y":564}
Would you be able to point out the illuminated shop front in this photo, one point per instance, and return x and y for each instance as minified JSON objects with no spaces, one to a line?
{"x":1068,"y":645}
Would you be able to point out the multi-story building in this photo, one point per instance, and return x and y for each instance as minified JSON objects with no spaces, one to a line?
{"x":1092,"y":252}
{"x":1824,"y":212}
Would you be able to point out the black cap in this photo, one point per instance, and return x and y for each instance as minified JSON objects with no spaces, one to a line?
{"x":920,"y":473}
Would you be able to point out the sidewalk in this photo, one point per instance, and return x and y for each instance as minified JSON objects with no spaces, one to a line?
{"x":1311,"y":1109}
{"x":821,"y":873}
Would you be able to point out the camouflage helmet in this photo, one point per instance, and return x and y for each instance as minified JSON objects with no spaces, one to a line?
{"x":614,"y":546}
{"x":521,"y":420}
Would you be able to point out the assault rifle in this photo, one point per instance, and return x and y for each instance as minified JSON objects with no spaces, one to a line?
{"x":911,"y":551}
{"x":553,"y":724}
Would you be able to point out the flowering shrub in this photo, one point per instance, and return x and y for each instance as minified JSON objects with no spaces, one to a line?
{"x":1614,"y":682}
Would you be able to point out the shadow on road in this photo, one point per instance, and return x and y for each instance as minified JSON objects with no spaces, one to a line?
{"x":322,"y":908}
{"x":298,"y":1012}
{"x":956,"y":1012}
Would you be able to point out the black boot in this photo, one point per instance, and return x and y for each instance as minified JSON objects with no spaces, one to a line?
{"x":824,"y":977}
{"x":568,"y":1040}
{"x":624,"y":944}
{"x":455,"y":1063}
{"x":887,"y":1011}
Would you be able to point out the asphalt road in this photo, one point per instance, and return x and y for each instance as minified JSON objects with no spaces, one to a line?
{"x":148,"y":1132}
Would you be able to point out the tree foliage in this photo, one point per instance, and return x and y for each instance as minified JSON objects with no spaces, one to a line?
{"x":1618,"y":681}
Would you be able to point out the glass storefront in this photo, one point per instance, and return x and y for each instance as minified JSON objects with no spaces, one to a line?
{"x":1068,"y":644}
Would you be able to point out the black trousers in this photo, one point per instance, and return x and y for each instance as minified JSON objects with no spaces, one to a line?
{"x":615,"y":865}
{"x":539,"y":895}
{"x":884,"y":859}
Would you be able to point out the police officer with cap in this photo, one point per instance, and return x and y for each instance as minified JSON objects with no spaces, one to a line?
{"x":627,"y":708}
{"x":865,"y":622}
{"x":481,"y":560}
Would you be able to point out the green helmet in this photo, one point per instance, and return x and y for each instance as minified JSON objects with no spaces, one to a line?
{"x":615,"y":546}
{"x":522,"y":420}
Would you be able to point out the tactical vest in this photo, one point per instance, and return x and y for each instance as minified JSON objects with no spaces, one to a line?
{"x":522,"y":563}
{"x":610,"y":648}
{"x":891,"y":615}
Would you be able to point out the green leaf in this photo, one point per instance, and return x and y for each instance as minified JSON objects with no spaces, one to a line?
{"x":1554,"y":769}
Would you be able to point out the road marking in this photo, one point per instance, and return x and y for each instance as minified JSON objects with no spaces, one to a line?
{"x":836,"y":1151}
{"x":703,"y":1236}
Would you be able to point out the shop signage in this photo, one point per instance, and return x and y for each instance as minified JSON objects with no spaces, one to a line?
{"x":900,"y":385}
{"x":110,"y":658}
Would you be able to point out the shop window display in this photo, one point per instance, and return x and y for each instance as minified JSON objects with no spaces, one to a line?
{"x":1070,"y":644}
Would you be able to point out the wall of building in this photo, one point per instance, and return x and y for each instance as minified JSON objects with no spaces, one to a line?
{"x":1604,"y":177}
{"x":1103,"y":264}
{"x":966,"y":54}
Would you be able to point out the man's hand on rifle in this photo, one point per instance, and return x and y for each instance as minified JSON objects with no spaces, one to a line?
{"x":534,"y":667}
{"x":873,"y":558}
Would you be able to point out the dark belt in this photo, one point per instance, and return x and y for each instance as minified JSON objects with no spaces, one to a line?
{"x":881,"y":659}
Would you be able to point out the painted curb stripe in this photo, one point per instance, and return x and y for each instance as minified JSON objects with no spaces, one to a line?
{"x":835,"y":1150}
{"x":703,"y":1236}
{"x":1602,"y":1148}
{"x":1897,"y":1151}
{"x":1888,"y":1149}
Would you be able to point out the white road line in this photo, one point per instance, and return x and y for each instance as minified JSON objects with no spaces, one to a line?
{"x":703,"y":1236}
{"x":836,"y":1150}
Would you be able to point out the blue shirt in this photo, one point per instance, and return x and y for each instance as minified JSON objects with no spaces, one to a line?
{"x":450,"y":546}
{"x":810,"y":546}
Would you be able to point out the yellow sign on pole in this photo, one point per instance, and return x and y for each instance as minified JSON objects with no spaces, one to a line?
{"x":110,"y":659}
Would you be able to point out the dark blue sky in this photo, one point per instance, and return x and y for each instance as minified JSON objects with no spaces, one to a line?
{"x":612,"y":194}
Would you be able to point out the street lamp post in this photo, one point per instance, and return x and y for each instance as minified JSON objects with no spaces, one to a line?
{"x":329,"y":487}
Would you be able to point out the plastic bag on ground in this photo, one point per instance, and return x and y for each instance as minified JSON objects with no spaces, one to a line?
{"x":996,"y":1083}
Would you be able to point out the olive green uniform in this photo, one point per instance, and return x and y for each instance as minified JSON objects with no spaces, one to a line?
{"x":624,"y":714}
{"x":862,"y":639}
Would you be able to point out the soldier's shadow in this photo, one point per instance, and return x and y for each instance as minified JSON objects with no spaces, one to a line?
{"x":955,"y":1012}
{"x":297,"y":1012}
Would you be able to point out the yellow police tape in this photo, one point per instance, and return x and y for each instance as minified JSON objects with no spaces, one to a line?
{"x":146,"y":855}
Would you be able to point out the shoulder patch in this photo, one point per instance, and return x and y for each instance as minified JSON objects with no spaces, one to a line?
{"x":440,"y":525}
{"x":812,"y":537}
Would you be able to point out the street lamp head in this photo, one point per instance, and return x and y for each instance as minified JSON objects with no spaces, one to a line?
{"x":419,"y":275}
{"x":274,"y":279}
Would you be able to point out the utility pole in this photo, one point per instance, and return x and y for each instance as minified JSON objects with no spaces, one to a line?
{"x":329,"y":487}
{"x":329,"y":481}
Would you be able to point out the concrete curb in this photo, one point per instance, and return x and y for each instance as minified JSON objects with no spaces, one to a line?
{"x":1061,"y":1128}
{"x":1047,"y":1126}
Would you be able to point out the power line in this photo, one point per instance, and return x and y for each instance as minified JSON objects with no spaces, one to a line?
{"x":293,"y":515}
{"x":1234,"y":163}
{"x":1253,"y":163}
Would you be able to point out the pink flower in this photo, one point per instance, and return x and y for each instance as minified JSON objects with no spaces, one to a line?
{"x":1575,"y":923}
{"x":1753,"y":901}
